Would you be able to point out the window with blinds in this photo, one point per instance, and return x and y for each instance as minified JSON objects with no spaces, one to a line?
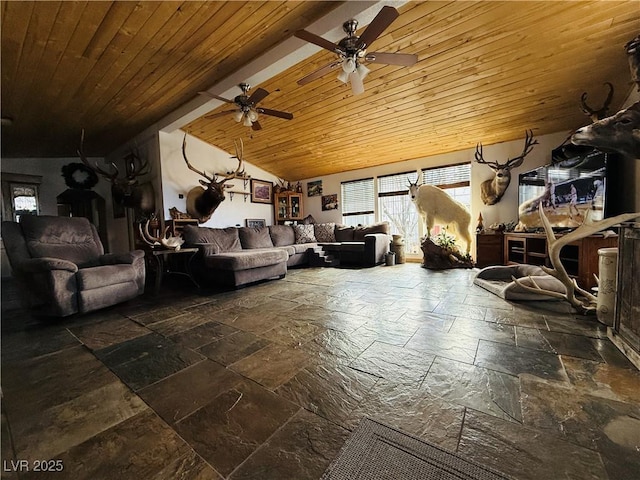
{"x":396,"y":208}
{"x":358,"y":202}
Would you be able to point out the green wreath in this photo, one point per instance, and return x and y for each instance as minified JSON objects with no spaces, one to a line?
{"x":78,"y":175}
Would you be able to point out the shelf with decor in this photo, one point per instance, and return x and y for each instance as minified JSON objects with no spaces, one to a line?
{"x":579,"y":258}
{"x":288,"y":207}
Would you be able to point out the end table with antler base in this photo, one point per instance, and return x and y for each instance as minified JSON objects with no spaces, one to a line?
{"x":164,"y":266}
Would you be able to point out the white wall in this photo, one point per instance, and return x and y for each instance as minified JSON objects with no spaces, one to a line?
{"x":177,"y":180}
{"x":504,"y":211}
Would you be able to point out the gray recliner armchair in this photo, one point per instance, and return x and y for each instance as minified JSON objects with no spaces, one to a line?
{"x":61,"y":268}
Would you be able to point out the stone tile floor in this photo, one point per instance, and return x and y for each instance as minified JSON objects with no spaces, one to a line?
{"x":268,"y":381}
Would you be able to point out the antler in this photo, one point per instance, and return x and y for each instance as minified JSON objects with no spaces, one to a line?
{"x":529,"y":142}
{"x":239,"y":155}
{"x":601,"y":113}
{"x":135,"y":166}
{"x":191,"y":167}
{"x":173,"y":243}
{"x":588,"y":301}
{"x":95,"y":167}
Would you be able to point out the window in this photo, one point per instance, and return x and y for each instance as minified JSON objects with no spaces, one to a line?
{"x":20,"y":195}
{"x":358,"y":202}
{"x":395,"y":206}
{"x":453,"y":179}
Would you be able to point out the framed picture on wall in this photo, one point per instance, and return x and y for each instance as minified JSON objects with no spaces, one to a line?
{"x":330,"y":202}
{"x":256,"y":222}
{"x":314,"y":189}
{"x":261,"y":191}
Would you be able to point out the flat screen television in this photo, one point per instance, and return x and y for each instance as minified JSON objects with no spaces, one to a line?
{"x":571,"y":188}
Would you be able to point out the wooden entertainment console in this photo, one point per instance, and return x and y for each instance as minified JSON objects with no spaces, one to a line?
{"x":580,"y":258}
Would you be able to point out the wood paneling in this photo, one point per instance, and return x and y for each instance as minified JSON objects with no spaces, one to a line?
{"x":487,"y":71}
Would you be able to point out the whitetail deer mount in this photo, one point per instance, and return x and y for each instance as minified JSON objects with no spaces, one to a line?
{"x":202,"y":202}
{"x":493,"y":189}
{"x":600,"y":113}
{"x":126,"y":190}
{"x":618,"y":133}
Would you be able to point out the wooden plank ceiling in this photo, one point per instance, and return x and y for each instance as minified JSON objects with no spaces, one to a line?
{"x":487,"y":71}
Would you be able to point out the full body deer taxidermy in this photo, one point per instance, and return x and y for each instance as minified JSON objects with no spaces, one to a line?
{"x":618,"y":133}
{"x":202,"y":202}
{"x":436,"y":206}
{"x":493,"y":189}
{"x":580,"y":299}
{"x":127,"y":190}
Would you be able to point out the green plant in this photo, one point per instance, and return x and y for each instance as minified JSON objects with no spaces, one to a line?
{"x":446,"y":241}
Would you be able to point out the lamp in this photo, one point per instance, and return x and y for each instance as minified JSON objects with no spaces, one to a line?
{"x":247,"y":121}
{"x":349,"y":66}
{"x":237,"y":115}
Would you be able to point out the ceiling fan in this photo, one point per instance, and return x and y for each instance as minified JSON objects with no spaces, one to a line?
{"x":247,"y":111}
{"x":351,"y":50}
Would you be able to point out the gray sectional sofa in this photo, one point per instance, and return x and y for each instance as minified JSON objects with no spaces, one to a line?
{"x":237,"y":256}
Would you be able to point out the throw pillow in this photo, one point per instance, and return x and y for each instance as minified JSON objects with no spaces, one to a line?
{"x":304,"y":233}
{"x":282,"y":235}
{"x":325,"y":232}
{"x":344,"y":233}
{"x":308,"y":220}
{"x":255,"y":237}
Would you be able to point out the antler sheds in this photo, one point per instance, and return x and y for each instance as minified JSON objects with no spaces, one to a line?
{"x":579,"y":298}
{"x":173,"y":243}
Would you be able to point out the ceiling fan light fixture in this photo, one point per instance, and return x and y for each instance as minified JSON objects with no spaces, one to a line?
{"x":247,"y":121}
{"x":362,"y":71}
{"x":252,"y":115}
{"x":343,"y":76}
{"x":237,"y":115}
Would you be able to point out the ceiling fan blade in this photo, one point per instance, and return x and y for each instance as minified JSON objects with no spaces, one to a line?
{"x":315,"y":39}
{"x":357,"y":87}
{"x":276,"y":113}
{"x":256,"y":125}
{"x":219,"y":114}
{"x":215,"y":96}
{"x":257,"y":95}
{"x":383,"y":19}
{"x":404,"y":59}
{"x":318,"y":73}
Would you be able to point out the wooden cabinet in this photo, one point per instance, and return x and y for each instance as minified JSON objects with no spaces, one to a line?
{"x":625,"y":332}
{"x":489,"y":249}
{"x":580,"y":258}
{"x":288,"y":207}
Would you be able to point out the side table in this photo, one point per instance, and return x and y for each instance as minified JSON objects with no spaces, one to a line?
{"x":164,"y":267}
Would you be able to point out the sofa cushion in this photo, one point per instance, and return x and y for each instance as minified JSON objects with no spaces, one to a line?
{"x":352,"y":247}
{"x":304,"y":233}
{"x":251,"y":238}
{"x":65,"y":238}
{"x":325,"y":232}
{"x":360,"y":232}
{"x":247,"y":259}
{"x":99,"y":277}
{"x":343,"y":233}
{"x":221,"y":239}
{"x":282,"y":235}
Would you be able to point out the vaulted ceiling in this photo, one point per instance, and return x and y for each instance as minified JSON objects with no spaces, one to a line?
{"x":487,"y":71}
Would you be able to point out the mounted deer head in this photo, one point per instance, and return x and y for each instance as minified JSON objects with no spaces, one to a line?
{"x":127,"y":190}
{"x":493,"y":189}
{"x":202,"y":202}
{"x":618,"y":133}
{"x":601,"y":113}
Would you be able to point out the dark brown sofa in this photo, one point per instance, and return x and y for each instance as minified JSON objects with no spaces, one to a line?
{"x":234,"y":257}
{"x":61,"y":268}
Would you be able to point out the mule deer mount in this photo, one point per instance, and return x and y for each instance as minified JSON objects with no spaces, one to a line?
{"x":600,"y":113}
{"x":583,"y":301}
{"x":202,"y":202}
{"x":493,"y":189}
{"x":126,"y":190}
{"x":618,"y":133}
